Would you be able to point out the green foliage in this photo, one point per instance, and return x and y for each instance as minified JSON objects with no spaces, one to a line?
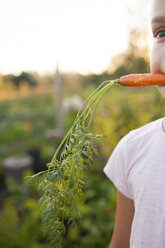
{"x":95,"y":226}
{"x":62,"y":184}
{"x":20,"y":224}
{"x":24,"y":118}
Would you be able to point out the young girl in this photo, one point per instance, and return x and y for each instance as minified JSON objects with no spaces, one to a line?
{"x":137,"y":166}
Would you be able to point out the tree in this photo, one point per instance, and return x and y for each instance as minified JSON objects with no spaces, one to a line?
{"x":24,"y":76}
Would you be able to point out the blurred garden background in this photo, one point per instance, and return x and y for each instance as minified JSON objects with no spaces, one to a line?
{"x":37,"y":108}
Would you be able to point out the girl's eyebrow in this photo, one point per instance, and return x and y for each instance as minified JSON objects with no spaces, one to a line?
{"x":158,"y":19}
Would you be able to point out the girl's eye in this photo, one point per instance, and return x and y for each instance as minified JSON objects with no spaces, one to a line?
{"x":159,"y":34}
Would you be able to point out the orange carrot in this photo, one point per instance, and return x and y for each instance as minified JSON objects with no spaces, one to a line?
{"x":146,"y":79}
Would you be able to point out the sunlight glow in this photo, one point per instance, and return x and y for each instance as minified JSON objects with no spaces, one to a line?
{"x":81,"y":36}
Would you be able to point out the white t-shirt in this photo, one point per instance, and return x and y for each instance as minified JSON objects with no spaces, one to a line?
{"x":137,"y":168}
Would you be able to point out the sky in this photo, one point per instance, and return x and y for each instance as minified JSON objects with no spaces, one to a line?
{"x":78,"y":35}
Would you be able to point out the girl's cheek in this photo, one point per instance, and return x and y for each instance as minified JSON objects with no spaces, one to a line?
{"x":157,"y":62}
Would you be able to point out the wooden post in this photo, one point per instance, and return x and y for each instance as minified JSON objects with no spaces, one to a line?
{"x":58,"y":100}
{"x":58,"y":91}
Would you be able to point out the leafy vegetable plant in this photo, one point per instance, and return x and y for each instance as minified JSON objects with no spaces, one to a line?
{"x":61,"y":185}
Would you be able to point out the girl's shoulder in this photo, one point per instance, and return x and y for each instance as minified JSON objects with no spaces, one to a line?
{"x":145,"y":130}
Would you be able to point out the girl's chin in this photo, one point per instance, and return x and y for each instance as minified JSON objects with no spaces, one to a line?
{"x":161,"y":89}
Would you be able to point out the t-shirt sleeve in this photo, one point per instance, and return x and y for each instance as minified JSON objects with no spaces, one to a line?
{"x":115,"y":168}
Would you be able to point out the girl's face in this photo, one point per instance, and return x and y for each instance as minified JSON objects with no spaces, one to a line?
{"x":157,"y":63}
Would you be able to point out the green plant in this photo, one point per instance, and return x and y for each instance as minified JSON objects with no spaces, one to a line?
{"x":62,"y":184}
{"x":20,"y":223}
